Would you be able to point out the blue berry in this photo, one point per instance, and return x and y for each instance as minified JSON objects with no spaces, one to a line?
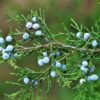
{"x":58,"y":64}
{"x":34,"y":19}
{"x":1,"y":49}
{"x":38,"y":33}
{"x":94,"y":43}
{"x":9,"y":48}
{"x":5,"y":56}
{"x":87,"y":36}
{"x":78,"y":34}
{"x":85,"y":63}
{"x":53,"y":74}
{"x":82,"y":81}
{"x":26,"y":36}
{"x":29,"y":25}
{"x":92,"y":69}
{"x":26,"y":80}
{"x":46,"y":60}
{"x":40,"y":62}
{"x":59,"y":53}
{"x":89,"y":78}
{"x":94,"y":77}
{"x":64,"y":67}
{"x":45,"y":54}
{"x":4,"y":51}
{"x":35,"y":83}
{"x":1,"y":41}
{"x":84,"y":69}
{"x":9,"y":38}
{"x":36,"y":26}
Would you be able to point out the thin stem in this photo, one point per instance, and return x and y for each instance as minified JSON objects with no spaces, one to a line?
{"x":65,"y":46}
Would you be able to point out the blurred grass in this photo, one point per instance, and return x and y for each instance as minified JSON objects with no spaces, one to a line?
{"x":56,"y":12}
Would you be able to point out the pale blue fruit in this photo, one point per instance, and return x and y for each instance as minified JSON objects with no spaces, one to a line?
{"x":9,"y":48}
{"x":26,"y":80}
{"x":89,"y":78}
{"x":5,"y":56}
{"x":36,"y":26}
{"x":85,"y":63}
{"x":94,"y":77}
{"x":29,"y":25}
{"x":87,"y":36}
{"x":26,"y":36}
{"x":78,"y":34}
{"x":9,"y":38}
{"x":34,"y":19}
{"x":1,"y":49}
{"x":4,"y":51}
{"x":38,"y":33}
{"x":64,"y":67}
{"x":1,"y":41}
{"x":94,"y":43}
{"x":82,"y":81}
{"x":46,"y":60}
{"x":58,"y":64}
{"x":53,"y":74}
{"x":45,"y":54}
{"x":84,"y":69}
{"x":40,"y":62}
{"x":92,"y":69}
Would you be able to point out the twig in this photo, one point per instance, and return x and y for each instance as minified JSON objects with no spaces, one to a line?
{"x":57,"y":44}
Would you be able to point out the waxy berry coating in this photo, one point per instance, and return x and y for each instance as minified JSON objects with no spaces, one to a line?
{"x":34,"y":19}
{"x":29,"y":25}
{"x":40,"y":62}
{"x":1,"y":49}
{"x":1,"y":40}
{"x":45,"y":54}
{"x":9,"y":48}
{"x":46,"y":60}
{"x":78,"y":34}
{"x":87,"y":36}
{"x":36,"y":26}
{"x":58,"y":64}
{"x":84,"y":69}
{"x":85,"y":63}
{"x":9,"y":38}
{"x":38,"y":33}
{"x":64,"y":67}
{"x":5,"y":56}
{"x":94,"y":77}
{"x":53,"y":74}
{"x":82,"y":81}
{"x":94,"y":43}
{"x":26,"y":80}
{"x":26,"y":36}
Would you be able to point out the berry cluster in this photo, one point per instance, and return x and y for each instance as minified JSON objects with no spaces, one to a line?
{"x":35,"y":27}
{"x":86,"y":37}
{"x":6,"y":48}
{"x":28,"y":81}
{"x":46,"y":58}
{"x":88,"y":71}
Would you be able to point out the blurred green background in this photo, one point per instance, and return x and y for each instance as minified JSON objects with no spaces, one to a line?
{"x":56,"y":11}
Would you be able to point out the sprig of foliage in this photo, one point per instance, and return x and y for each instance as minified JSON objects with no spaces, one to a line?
{"x":70,"y":60}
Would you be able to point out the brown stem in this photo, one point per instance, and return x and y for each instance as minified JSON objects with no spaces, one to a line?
{"x":60,"y":45}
